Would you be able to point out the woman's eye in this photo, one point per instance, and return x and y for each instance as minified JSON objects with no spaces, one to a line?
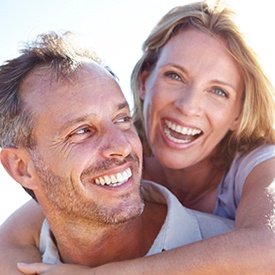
{"x":173,"y":75}
{"x":220,"y":92}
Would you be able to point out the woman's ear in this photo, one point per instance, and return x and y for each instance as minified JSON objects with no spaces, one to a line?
{"x":142,"y":90}
{"x":19,"y":166}
{"x":235,"y":123}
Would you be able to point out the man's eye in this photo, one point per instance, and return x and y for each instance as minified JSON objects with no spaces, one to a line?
{"x":124,"y":119}
{"x":220,"y":92}
{"x":80,"y":132}
{"x":173,"y":75}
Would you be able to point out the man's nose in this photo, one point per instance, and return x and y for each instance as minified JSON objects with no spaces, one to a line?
{"x":115,"y":143}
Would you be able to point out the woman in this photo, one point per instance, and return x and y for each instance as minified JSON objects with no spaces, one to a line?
{"x":205,"y":113}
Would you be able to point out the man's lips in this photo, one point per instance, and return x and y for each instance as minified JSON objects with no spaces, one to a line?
{"x":114,"y":179}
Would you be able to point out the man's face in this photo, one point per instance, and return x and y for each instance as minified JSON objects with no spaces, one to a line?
{"x":87,"y":156}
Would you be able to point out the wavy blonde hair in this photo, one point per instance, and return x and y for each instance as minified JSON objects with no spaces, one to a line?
{"x":257,"y":116}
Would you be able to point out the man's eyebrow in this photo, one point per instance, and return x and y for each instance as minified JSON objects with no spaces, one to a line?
{"x":123,"y":105}
{"x":70,"y":123}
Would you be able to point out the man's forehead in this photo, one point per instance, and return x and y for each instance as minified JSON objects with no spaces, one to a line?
{"x":44,"y":80}
{"x":36,"y":77}
{"x":45,"y":73}
{"x":43,"y":92}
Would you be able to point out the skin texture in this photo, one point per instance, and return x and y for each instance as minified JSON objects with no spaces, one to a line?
{"x":204,"y":95}
{"x":198,"y":85}
{"x":62,"y":159}
{"x":76,"y":144}
{"x":190,"y":87}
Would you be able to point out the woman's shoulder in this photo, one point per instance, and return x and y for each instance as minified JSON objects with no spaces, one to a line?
{"x":230,"y":188}
{"x":253,"y":158}
{"x":243,"y":163}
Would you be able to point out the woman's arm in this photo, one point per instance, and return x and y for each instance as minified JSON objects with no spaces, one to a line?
{"x":250,"y":249}
{"x":19,"y":237}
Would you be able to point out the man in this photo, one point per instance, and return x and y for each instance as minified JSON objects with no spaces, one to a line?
{"x":68,"y":139}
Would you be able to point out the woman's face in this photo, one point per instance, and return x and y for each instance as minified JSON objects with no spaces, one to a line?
{"x":192,"y":98}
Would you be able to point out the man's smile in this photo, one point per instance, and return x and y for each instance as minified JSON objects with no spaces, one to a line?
{"x":115,"y":179}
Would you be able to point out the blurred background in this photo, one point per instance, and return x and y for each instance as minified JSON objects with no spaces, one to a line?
{"x":116,"y":29}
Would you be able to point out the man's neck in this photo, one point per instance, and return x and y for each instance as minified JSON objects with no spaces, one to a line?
{"x":93,"y":245}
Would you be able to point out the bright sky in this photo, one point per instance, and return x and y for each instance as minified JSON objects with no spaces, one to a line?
{"x":116,"y":31}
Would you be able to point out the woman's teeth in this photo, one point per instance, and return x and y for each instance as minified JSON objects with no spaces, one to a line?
{"x":114,"y":180}
{"x":179,"y":134}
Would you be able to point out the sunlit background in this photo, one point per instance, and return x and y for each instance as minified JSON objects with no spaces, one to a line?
{"x":116,"y":29}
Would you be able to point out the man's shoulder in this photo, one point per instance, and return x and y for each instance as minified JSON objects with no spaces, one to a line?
{"x":209,"y":224}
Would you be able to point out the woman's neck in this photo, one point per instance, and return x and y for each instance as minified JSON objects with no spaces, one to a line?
{"x":195,"y":186}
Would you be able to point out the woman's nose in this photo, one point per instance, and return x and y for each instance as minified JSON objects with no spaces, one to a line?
{"x":189,"y":102}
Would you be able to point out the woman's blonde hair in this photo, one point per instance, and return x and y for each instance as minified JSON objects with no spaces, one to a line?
{"x":257,"y":116}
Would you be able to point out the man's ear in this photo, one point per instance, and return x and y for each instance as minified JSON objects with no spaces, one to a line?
{"x":142,"y":90}
{"x":18,"y":164}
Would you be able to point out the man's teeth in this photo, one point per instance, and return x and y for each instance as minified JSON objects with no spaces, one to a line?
{"x":114,"y":180}
{"x":191,"y":132}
